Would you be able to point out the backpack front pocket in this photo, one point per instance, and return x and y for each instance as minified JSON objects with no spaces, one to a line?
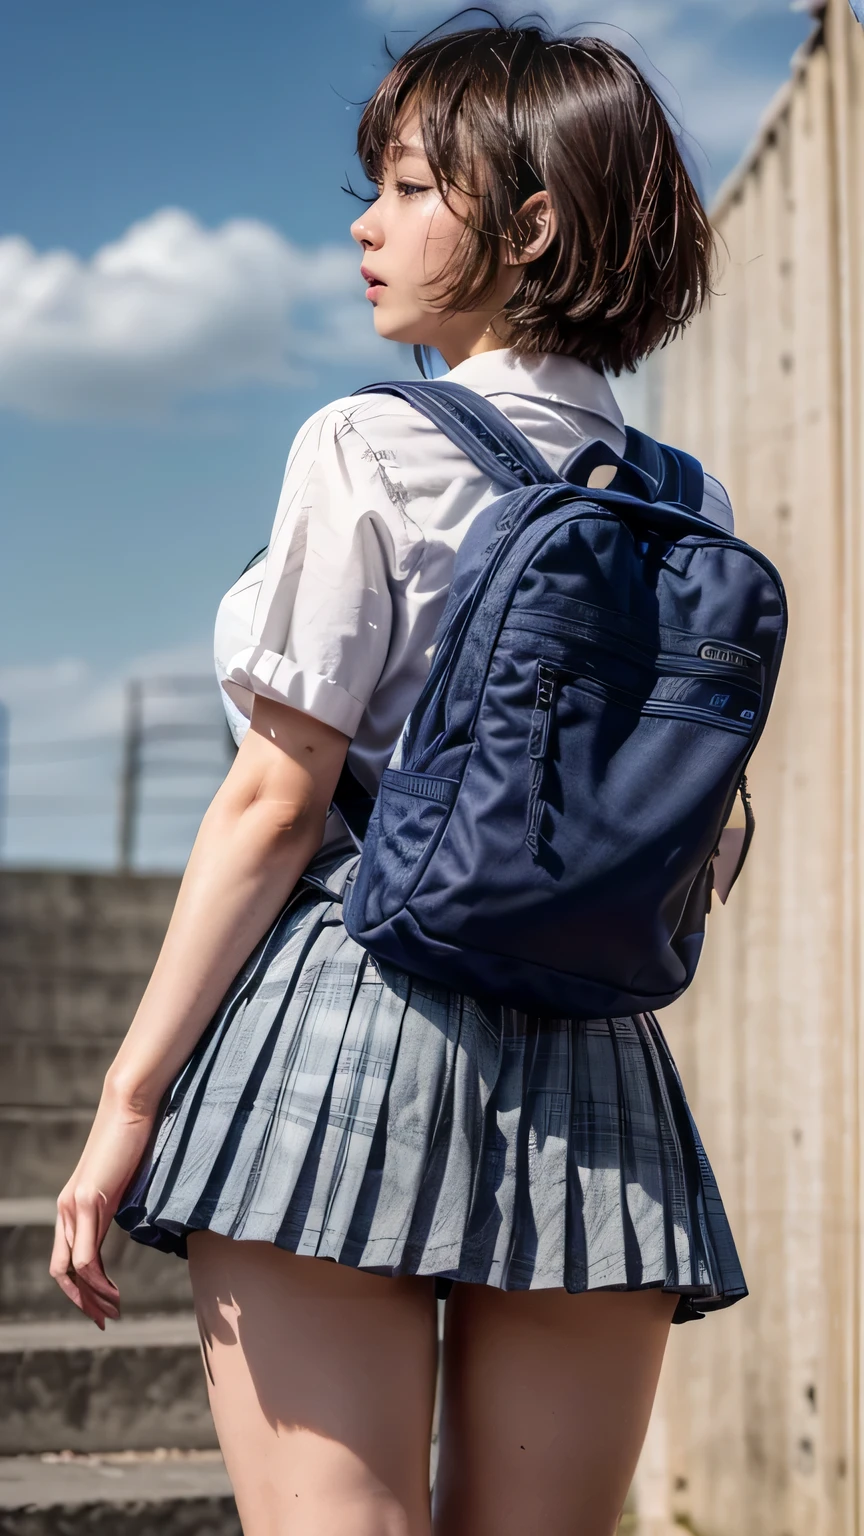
{"x":677,"y":688}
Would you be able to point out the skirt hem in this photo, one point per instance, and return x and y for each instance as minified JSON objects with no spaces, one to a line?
{"x":171,"y":1238}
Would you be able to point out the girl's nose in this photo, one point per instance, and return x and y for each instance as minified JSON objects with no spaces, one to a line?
{"x":367,"y":231}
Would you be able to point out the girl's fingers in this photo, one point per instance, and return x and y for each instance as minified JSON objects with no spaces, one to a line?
{"x":85,"y":1244}
{"x":60,"y":1267}
{"x":92,"y":1280}
{"x":92,"y":1273}
{"x":87,"y":1254}
{"x":87,"y":1303}
{"x":76,"y":1264}
{"x":61,"y":1253}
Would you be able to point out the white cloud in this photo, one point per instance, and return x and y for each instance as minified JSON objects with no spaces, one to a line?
{"x":172,"y":309}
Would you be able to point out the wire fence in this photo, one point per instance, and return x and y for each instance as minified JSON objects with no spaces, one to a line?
{"x":165,"y":760}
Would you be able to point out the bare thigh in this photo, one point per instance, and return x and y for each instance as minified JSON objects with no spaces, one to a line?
{"x":322,"y":1385}
{"x":546,"y":1399}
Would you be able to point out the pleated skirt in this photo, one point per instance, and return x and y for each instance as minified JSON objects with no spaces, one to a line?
{"x":340,"y":1108}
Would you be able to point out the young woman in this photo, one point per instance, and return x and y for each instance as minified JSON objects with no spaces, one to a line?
{"x":280,"y":1099}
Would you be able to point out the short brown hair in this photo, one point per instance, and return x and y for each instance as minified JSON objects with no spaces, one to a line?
{"x":507,"y":111}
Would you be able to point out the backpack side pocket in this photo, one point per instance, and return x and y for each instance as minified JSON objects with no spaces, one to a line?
{"x":410,"y":815}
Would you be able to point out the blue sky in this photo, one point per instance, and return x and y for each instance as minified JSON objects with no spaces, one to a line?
{"x":178,"y":291}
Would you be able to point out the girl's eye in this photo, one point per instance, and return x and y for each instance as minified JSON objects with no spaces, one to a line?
{"x":406,"y":188}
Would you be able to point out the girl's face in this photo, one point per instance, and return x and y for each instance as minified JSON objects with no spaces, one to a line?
{"x":409,"y":238}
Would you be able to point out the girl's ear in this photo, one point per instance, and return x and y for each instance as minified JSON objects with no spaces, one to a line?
{"x":539,"y":225}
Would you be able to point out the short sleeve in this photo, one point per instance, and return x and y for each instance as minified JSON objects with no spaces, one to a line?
{"x":321,"y":623}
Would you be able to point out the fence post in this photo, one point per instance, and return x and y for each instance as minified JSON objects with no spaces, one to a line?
{"x":4,"y":776}
{"x":130,"y":775}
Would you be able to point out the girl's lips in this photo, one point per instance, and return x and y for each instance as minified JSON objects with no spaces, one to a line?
{"x":374,"y":282}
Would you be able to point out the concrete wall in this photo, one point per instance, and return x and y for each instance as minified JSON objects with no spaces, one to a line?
{"x":759,"y":1426}
{"x":76,"y":951}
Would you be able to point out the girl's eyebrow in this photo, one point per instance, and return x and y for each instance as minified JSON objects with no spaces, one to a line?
{"x":400,"y":150}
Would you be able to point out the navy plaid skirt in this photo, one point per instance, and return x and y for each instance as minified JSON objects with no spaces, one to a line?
{"x":343,"y":1109}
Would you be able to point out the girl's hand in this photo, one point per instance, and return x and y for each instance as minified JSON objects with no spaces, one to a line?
{"x":85,"y":1208}
{"x":265,"y":823}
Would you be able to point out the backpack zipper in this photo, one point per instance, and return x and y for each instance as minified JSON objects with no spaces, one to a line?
{"x":549,"y":681}
{"x":600,"y":638}
{"x":662,"y":708}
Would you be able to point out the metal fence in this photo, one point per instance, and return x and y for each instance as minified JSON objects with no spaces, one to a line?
{"x":758,"y":1428}
{"x":143,"y":784}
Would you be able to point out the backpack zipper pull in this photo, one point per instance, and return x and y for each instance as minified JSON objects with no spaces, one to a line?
{"x":547,"y":681}
{"x":545,"y":687}
{"x":541,"y":727}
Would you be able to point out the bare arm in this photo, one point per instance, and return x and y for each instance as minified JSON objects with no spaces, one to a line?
{"x":263,"y":826}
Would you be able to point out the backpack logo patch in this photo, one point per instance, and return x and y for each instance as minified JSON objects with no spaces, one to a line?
{"x":718,"y":701}
{"x":728,"y":655}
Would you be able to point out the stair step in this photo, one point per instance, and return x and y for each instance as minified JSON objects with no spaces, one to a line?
{"x":149,"y":1281}
{"x":60,"y":1072}
{"x":40,"y":1146}
{"x":71,"y":1002}
{"x":107,"y":923}
{"x":162,"y":1494}
{"x":137,"y":1386}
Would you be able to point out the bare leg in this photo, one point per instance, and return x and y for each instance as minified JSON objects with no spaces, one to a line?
{"x":545,"y":1405}
{"x":322,"y":1383}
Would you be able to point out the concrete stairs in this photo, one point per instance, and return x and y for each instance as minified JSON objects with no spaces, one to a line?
{"x":137,"y":1386}
{"x":110,"y":1432}
{"x":116,"y":1495}
{"x":99,"y":1433}
{"x":149,"y":1282}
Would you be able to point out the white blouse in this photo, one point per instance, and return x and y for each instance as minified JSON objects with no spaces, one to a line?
{"x":338,"y":619}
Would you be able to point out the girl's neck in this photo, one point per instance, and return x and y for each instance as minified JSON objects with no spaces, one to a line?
{"x":488,"y":341}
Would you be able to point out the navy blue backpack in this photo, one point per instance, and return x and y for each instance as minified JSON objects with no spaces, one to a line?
{"x":602,"y":673}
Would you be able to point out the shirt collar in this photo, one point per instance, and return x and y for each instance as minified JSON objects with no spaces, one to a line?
{"x":540,"y":376}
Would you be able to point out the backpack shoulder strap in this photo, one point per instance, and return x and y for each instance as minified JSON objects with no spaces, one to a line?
{"x":476,"y":426}
{"x":653,"y":471}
